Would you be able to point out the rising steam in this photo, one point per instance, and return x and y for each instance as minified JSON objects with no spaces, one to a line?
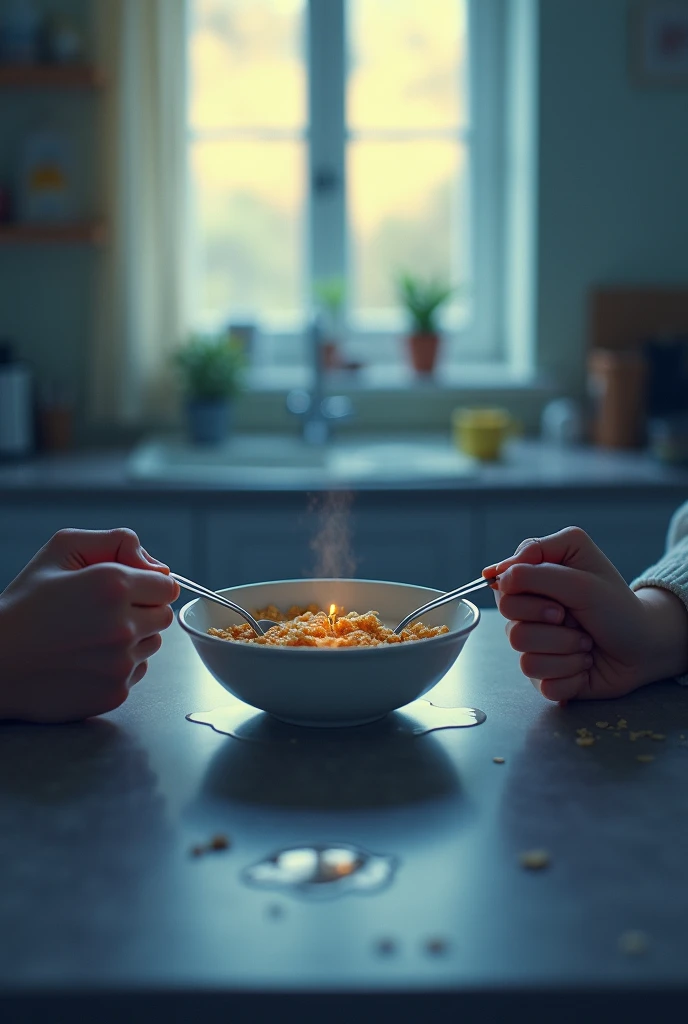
{"x":331,"y":545}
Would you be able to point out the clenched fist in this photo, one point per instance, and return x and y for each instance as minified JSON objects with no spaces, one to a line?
{"x":78,"y":625}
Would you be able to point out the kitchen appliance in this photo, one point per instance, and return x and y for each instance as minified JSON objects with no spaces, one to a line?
{"x":16,"y":405}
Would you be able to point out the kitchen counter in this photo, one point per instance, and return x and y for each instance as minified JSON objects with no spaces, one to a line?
{"x":103,"y":907}
{"x":528,"y":467}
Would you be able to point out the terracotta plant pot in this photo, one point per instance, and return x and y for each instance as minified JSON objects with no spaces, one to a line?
{"x":424,"y":349}
{"x":331,"y":356}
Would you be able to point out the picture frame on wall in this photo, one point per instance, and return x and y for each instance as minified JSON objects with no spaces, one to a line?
{"x":659,"y":42}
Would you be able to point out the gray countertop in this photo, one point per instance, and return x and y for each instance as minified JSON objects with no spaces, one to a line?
{"x":528,"y":467}
{"x":102,"y":903}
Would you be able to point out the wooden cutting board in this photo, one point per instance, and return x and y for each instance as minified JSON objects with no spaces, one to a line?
{"x":626,"y":317}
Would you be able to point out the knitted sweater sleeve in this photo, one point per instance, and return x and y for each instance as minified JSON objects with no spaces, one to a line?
{"x":671,"y":571}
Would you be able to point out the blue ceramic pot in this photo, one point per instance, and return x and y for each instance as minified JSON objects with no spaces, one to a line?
{"x":208,"y":420}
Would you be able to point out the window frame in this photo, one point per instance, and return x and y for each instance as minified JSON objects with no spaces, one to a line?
{"x":475,"y":338}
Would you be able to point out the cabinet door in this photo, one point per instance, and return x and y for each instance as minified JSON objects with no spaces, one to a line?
{"x":426,"y":547}
{"x":165,"y":534}
{"x":631,"y":533}
{"x":390,"y":542}
{"x":241,"y":546}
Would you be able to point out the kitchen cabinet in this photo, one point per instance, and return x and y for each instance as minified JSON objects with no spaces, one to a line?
{"x":242,"y":546}
{"x":414,"y":544}
{"x":167,"y":535}
{"x":631,"y":533}
{"x":406,"y":541}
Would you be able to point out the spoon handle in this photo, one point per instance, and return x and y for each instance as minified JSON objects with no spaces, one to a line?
{"x":451,"y":595}
{"x":210,"y":595}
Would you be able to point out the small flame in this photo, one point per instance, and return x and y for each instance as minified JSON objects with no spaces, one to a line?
{"x":332,"y":616}
{"x":333,"y":609}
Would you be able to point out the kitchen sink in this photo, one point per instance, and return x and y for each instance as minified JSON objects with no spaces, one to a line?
{"x":265,"y":459}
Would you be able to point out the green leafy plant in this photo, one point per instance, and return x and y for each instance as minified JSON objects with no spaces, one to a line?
{"x":211,"y":366}
{"x":422,"y":300}
{"x":330,"y":293}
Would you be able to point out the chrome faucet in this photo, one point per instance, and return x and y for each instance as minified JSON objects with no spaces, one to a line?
{"x":318,"y":411}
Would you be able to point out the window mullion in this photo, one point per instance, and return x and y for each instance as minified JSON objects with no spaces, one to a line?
{"x":486,"y":49}
{"x":326,"y":102}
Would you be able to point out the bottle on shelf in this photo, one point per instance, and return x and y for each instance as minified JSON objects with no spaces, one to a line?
{"x":16,"y":405}
{"x":45,"y":192}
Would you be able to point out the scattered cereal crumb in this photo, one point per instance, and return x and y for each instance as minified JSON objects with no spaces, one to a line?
{"x":437,"y":946}
{"x":645,"y":758}
{"x":219,"y":842}
{"x":622,"y":724}
{"x":602,"y":725}
{"x":583,"y":732}
{"x":534,"y":859}
{"x":657,"y":736}
{"x":498,"y":760}
{"x":386,"y":946}
{"x":585,"y":741}
{"x":633,"y":943}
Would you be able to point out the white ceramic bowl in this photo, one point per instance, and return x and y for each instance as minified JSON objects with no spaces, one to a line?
{"x":329,"y":686}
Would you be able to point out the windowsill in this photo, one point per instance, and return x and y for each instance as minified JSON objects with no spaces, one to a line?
{"x":457,"y":377}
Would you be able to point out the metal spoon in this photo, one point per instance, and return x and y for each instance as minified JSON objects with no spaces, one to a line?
{"x":260,"y":626}
{"x":451,"y":595}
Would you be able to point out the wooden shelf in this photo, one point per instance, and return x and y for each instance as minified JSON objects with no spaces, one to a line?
{"x":86,"y":232}
{"x":50,"y":76}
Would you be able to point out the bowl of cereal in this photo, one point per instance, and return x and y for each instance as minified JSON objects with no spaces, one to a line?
{"x":332,"y":659}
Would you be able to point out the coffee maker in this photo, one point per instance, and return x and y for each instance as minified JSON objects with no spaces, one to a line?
{"x":17,"y":435}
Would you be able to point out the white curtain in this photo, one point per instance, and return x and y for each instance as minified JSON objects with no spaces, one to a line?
{"x":141,"y":314}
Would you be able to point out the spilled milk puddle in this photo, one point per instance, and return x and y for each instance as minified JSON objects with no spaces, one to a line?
{"x":416,"y":719}
{"x":322,"y":871}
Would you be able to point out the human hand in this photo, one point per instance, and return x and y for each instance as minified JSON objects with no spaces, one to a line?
{"x":581,"y":631}
{"x":78,"y":625}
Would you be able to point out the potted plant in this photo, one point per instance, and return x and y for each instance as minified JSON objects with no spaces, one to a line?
{"x":329,"y":295}
{"x":211,"y":370}
{"x":422,"y":300}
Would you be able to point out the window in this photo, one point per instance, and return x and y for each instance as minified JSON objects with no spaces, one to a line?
{"x":356,"y":138}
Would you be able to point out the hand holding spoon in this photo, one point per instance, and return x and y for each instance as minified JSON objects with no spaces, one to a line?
{"x":260,"y":626}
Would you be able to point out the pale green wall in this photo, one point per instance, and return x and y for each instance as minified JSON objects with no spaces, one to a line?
{"x":613,"y":174}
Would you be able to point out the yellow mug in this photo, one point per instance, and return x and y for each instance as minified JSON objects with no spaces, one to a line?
{"x":481,"y":433}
